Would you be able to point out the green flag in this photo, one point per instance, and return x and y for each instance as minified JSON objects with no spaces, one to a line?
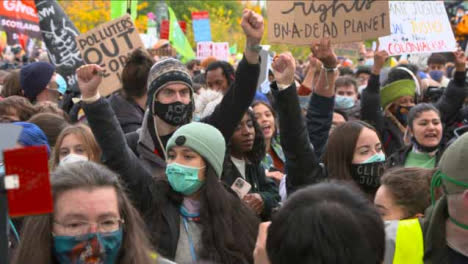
{"x":119,"y":8}
{"x":233,"y":49}
{"x":178,"y":39}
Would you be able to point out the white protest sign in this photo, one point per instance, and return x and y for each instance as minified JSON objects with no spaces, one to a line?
{"x":204,"y":49}
{"x":221,"y":50}
{"x":418,"y":27}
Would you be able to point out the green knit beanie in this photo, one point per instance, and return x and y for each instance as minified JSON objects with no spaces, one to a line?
{"x":395,"y":90}
{"x":204,"y":139}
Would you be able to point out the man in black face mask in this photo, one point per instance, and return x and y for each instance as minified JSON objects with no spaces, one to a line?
{"x":170,"y":105}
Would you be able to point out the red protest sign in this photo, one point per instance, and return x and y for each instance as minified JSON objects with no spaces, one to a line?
{"x":19,"y":16}
{"x":164,"y":28}
{"x":34,"y":195}
{"x":200,"y":15}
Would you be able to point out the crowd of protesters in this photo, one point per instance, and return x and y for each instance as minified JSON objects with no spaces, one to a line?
{"x":339,"y":162}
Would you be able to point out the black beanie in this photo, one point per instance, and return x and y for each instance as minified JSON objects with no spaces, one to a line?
{"x":34,"y":78}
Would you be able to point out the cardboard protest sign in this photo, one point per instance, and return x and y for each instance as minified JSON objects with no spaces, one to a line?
{"x":418,"y":27}
{"x":109,"y":45}
{"x":59,"y":34}
{"x":348,"y":50}
{"x":301,"y":22}
{"x":34,"y":195}
{"x":19,"y":17}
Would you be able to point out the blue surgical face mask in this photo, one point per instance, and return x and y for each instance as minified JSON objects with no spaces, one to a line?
{"x":378,"y":157}
{"x":89,"y":248}
{"x":183,"y":179}
{"x":62,"y":84}
{"x":436,"y":75}
{"x":344,"y":102}
{"x":369,"y":62}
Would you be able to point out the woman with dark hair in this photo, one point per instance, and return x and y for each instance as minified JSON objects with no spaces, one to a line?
{"x":243,"y":160}
{"x":93,"y":222}
{"x":192,"y":215}
{"x":12,"y":85}
{"x":274,"y":159}
{"x":320,"y":224}
{"x":17,"y":108}
{"x":425,"y":130}
{"x":404,"y":193}
{"x":354,"y":153}
{"x":398,"y":95}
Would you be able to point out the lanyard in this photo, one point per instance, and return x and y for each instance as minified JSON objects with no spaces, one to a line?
{"x":192,"y":248}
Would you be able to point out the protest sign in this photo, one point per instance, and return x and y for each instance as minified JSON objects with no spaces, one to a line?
{"x":301,"y":22}
{"x":19,"y":16}
{"x":204,"y":50}
{"x":348,"y":50}
{"x":201,"y":26}
{"x":221,"y":50}
{"x":59,"y":34}
{"x":418,"y":27}
{"x":109,"y":45}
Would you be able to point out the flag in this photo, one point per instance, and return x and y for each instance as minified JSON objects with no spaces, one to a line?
{"x":178,"y":40}
{"x":119,"y":8}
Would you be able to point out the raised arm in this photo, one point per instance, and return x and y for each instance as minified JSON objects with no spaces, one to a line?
{"x":301,"y":163}
{"x":110,"y":137}
{"x":240,"y":96}
{"x":320,"y":111}
{"x":371,"y":109}
{"x":454,"y":97}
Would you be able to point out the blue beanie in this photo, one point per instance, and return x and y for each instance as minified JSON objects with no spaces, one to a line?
{"x":34,"y":78}
{"x":32,"y":135}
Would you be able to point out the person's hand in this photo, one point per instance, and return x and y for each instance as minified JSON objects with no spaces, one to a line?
{"x":284,"y":67}
{"x":255,"y":202}
{"x":380,"y":57}
{"x":275,"y":175}
{"x":460,"y":61}
{"x":260,"y":253}
{"x":315,"y":65}
{"x":323,"y":51}
{"x":89,"y":78}
{"x":253,"y":26}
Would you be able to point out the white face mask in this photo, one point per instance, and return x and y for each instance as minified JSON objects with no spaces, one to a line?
{"x":72,"y":158}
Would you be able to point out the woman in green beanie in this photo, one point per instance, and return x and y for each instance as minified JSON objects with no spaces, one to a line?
{"x":192,"y":214}
{"x":387,"y":107}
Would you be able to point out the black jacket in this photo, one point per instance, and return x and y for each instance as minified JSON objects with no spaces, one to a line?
{"x":392,"y":137}
{"x":137,"y":165}
{"x":255,"y":175}
{"x":129,"y":113}
{"x":302,"y":164}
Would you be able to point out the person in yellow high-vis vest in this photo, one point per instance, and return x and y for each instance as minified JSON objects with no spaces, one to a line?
{"x":442,"y":235}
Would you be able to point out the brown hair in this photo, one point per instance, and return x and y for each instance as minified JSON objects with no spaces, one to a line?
{"x":36,"y":238}
{"x":135,"y":74}
{"x":17,"y":105}
{"x":51,"y":107}
{"x":51,"y":124}
{"x":12,"y":85}
{"x":339,"y":153}
{"x":87,"y":138}
{"x":346,"y":81}
{"x":410,"y":188}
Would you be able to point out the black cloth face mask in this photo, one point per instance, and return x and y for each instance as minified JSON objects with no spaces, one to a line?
{"x":174,"y":114}
{"x":367,"y":175}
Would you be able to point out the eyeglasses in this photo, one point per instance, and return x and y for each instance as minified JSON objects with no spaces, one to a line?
{"x":77,"y":228}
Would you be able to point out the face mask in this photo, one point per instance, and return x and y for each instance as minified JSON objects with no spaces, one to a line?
{"x":369,"y":62}
{"x":422,"y":148}
{"x":367,"y":174}
{"x":174,"y":114}
{"x":436,"y":75}
{"x":89,"y":248}
{"x":402,"y":114}
{"x":62,"y":84}
{"x":344,"y":102}
{"x":2,"y":169}
{"x":72,"y":158}
{"x":183,"y":179}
